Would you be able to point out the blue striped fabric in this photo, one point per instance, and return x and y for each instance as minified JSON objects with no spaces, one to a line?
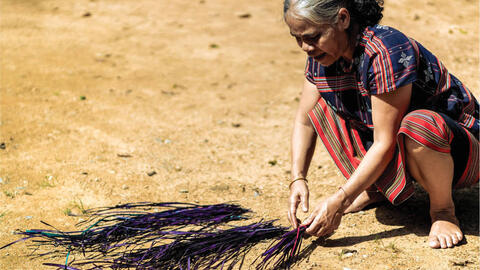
{"x":384,"y":60}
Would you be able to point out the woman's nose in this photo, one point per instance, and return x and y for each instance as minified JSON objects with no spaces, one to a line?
{"x":306,"y":48}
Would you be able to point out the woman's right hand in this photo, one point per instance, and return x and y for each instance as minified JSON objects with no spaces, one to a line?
{"x":298,"y":195}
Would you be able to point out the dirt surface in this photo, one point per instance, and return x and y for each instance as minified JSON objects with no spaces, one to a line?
{"x":97,"y":95}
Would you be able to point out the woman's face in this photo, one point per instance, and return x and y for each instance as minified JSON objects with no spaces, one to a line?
{"x":325,"y":43}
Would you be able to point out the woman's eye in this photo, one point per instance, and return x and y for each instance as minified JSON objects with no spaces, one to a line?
{"x":316,"y":37}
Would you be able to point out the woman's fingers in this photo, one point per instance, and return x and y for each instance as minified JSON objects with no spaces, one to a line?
{"x":309,"y":219}
{"x":298,"y":195}
{"x":315,"y":221}
{"x":293,"y":220}
{"x":292,"y":212}
{"x":314,"y":225}
{"x":304,"y":200}
{"x":323,"y":220}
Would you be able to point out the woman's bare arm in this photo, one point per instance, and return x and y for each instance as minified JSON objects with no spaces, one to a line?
{"x":302,"y":148}
{"x":388,"y":111}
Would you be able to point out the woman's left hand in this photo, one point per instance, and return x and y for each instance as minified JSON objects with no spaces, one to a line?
{"x":326,"y":216}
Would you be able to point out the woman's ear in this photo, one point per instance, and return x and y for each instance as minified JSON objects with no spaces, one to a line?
{"x":343,"y":18}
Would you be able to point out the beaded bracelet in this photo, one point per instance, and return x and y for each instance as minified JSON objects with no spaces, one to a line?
{"x":297,"y":179}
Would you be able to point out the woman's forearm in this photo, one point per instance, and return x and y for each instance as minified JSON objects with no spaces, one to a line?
{"x":303,"y":136}
{"x":387,"y":112}
{"x":370,"y":169}
{"x":303,"y":147}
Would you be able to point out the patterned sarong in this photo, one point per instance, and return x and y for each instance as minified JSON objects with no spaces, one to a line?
{"x":433,"y":130}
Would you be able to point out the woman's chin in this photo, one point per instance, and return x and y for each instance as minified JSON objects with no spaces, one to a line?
{"x":324,"y":60}
{"x":326,"y":63}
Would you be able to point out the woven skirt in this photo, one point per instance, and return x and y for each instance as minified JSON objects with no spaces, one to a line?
{"x":347,"y":142}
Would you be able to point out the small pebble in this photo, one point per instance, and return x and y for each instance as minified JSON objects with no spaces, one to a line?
{"x":151,"y":173}
{"x":178,"y":168}
{"x":2,"y":145}
{"x":244,"y":15}
{"x":167,"y":141}
{"x":256,"y":194}
{"x":348,"y":252}
{"x":28,"y":217}
{"x":97,"y":179}
{"x":183,"y":191}
{"x":124,"y":187}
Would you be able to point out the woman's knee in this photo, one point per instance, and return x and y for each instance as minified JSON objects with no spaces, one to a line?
{"x":412,"y":148}
{"x":412,"y":155}
{"x":425,"y":128}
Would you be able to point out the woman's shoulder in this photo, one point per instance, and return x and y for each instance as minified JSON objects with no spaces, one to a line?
{"x":381,"y":37}
{"x":380,"y":31}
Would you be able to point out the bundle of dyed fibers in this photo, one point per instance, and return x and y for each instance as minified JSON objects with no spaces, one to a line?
{"x":217,"y":249}
{"x":283,"y":253}
{"x":123,"y":225}
{"x":185,"y":236}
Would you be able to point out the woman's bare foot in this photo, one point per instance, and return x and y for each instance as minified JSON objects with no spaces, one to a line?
{"x":363,"y":200}
{"x":445,"y":231}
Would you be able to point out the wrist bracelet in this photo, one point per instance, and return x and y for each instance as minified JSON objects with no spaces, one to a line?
{"x":347,"y":200}
{"x":297,"y":179}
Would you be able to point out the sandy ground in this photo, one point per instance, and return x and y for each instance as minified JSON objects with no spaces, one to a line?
{"x":95,"y":95}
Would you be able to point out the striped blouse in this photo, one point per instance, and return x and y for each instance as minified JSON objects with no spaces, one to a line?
{"x":384,"y":60}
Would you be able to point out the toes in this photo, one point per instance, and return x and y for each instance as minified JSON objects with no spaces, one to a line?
{"x":433,"y":242}
{"x":448,"y":241}
{"x":459,"y":236}
{"x":444,"y":234}
{"x":454,"y":239}
{"x":444,"y":240}
{"x":443,"y":243}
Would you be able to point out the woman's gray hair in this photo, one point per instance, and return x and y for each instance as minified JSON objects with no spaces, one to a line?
{"x":314,"y":11}
{"x":362,"y":12}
